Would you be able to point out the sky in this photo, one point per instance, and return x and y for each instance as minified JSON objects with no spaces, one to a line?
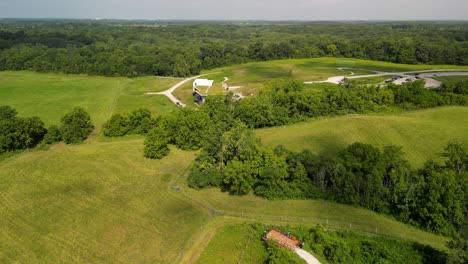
{"x":238,"y":9}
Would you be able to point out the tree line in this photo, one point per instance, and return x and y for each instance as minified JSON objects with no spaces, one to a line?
{"x":433,"y":198}
{"x":232,"y":158}
{"x":19,"y":133}
{"x":136,"y":49}
{"x":281,"y":101}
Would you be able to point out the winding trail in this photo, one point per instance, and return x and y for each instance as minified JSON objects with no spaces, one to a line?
{"x":169,"y":91}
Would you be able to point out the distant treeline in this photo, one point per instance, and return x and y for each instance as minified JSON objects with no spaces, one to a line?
{"x":185,"y":49}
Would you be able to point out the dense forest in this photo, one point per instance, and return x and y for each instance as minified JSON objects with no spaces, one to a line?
{"x":118,"y":48}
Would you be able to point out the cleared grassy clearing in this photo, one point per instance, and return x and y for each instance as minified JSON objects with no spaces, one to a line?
{"x":49,"y":96}
{"x":451,"y":78}
{"x":94,"y":203}
{"x":422,"y":134}
{"x":310,"y":212}
{"x":157,"y":104}
{"x":235,"y":244}
{"x":371,"y":80}
{"x":252,"y":75}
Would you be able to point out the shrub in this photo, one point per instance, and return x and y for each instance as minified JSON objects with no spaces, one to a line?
{"x":76,"y":126}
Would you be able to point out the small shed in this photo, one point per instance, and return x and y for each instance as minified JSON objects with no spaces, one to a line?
{"x":284,"y":239}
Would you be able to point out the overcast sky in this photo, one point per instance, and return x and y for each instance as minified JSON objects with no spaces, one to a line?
{"x":239,"y":9}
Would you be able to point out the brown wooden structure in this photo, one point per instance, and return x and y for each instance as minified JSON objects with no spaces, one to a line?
{"x":283,"y":239}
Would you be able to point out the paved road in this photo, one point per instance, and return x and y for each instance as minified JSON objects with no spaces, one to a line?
{"x":307,"y":256}
{"x":426,"y":74}
{"x":169,"y":91}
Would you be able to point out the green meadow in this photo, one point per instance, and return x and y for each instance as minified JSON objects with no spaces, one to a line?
{"x":252,"y":75}
{"x":422,"y":134}
{"x":94,"y":203}
{"x":49,"y":96}
{"x":102,"y":202}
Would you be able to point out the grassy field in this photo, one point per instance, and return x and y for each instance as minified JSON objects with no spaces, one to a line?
{"x":422,"y":134}
{"x":252,"y":75}
{"x":451,"y":78}
{"x":103,"y":202}
{"x":49,"y":96}
{"x":235,"y":244}
{"x":371,"y":80}
{"x":94,"y":203}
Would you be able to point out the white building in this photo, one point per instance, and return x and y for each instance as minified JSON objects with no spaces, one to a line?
{"x":202,"y":82}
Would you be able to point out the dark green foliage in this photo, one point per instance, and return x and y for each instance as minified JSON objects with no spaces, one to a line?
{"x":117,"y":126}
{"x":19,"y":133}
{"x":76,"y":126}
{"x":283,"y":101}
{"x":101,"y":48}
{"x":458,"y":250}
{"x":352,"y":247}
{"x":54,"y":134}
{"x":7,"y":112}
{"x":204,"y":179}
{"x":187,"y":128}
{"x":457,"y":157}
{"x":139,"y":121}
{"x":156,"y":143}
{"x":238,"y":177}
{"x":433,"y":198}
{"x":439,"y":203}
{"x":279,"y":255}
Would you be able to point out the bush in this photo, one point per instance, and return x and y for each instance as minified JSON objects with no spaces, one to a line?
{"x":76,"y":126}
{"x":53,"y":135}
{"x":204,"y":179}
{"x":117,"y":126}
{"x":139,"y":121}
{"x":19,"y":133}
{"x":156,"y":143}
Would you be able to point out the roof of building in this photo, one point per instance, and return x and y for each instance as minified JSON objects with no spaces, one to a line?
{"x":283,"y":240}
{"x":203,"y":82}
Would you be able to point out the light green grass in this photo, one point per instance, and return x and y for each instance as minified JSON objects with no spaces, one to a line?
{"x":94,"y":203}
{"x":422,"y":134}
{"x":235,"y":244}
{"x":184,"y":94}
{"x":311,"y":212}
{"x":371,"y":80}
{"x":50,"y":96}
{"x":157,"y":104}
{"x":451,"y":78}
{"x":252,"y":75}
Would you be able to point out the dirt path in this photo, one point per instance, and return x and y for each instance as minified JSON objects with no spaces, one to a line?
{"x":169,"y":91}
{"x":307,"y":256}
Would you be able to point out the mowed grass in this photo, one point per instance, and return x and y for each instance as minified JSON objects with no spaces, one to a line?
{"x":312,"y":212}
{"x":422,"y":134}
{"x":94,"y":203}
{"x":452,"y":78}
{"x":235,"y":243}
{"x":252,"y":75}
{"x":50,"y":96}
